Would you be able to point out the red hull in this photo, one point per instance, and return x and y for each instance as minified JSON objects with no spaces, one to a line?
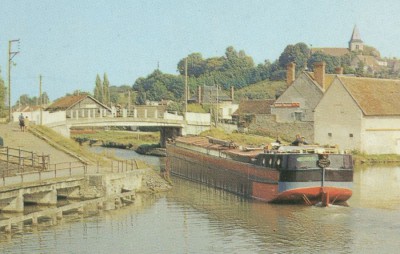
{"x":315,"y":195}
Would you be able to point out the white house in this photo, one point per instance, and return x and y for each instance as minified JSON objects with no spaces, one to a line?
{"x":360,"y":114}
{"x":303,"y":94}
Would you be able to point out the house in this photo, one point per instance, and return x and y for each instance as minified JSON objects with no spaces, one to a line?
{"x":251,"y":110}
{"x":360,"y":114}
{"x":215,"y":96}
{"x":226,"y":110}
{"x":210,"y":95}
{"x":298,"y":101}
{"x":80,"y":106}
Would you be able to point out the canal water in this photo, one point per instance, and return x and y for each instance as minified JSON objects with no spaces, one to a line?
{"x":193,"y":218}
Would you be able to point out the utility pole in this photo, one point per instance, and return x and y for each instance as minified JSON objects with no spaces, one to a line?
{"x":11,"y":55}
{"x":217,"y":110}
{"x":40,"y":100}
{"x":129,"y":102}
{"x":186,"y":87}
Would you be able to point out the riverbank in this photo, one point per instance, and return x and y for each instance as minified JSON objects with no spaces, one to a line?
{"x":147,"y":141}
{"x":42,"y":140}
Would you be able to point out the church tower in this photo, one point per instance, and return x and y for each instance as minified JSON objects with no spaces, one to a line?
{"x":355,"y":43}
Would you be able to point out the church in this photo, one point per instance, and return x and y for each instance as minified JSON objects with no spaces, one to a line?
{"x":366,"y":55}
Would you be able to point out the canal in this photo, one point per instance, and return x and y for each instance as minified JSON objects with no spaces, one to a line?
{"x":196,"y":219}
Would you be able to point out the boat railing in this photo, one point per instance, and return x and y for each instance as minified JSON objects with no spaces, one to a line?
{"x":308,"y":149}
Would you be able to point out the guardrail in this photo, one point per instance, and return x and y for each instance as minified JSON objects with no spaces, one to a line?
{"x":119,"y":166}
{"x":18,"y":158}
{"x":67,"y":169}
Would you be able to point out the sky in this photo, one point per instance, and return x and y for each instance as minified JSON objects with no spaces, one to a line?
{"x":70,"y":42}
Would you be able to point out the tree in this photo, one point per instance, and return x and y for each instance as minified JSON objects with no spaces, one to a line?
{"x":106,"y":90}
{"x":195,"y":65}
{"x":298,"y":53}
{"x":331,"y":61}
{"x":98,"y":89}
{"x":45,"y":99}
{"x":236,"y":61}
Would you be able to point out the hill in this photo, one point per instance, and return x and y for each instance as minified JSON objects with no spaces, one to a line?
{"x":265,"y":89}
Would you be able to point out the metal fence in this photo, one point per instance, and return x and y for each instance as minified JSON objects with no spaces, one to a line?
{"x":20,"y":166}
{"x":119,"y":166}
{"x":68,"y":169}
{"x":18,"y":158}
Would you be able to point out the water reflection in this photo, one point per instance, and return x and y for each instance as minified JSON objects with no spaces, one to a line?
{"x":193,"y":218}
{"x":377,"y":187}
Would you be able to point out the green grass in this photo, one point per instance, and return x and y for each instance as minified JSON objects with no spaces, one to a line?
{"x":239,"y":138}
{"x":375,"y":158}
{"x":122,"y":137}
{"x":262,"y":90}
{"x":68,"y":144}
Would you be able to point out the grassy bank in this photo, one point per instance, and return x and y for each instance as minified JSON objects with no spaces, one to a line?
{"x":70,"y":146}
{"x":375,"y":158}
{"x":239,"y":138}
{"x":122,"y":137}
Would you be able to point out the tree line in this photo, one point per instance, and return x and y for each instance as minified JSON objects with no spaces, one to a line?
{"x":237,"y":69}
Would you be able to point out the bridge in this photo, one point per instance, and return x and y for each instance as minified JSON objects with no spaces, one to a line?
{"x":171,"y":125}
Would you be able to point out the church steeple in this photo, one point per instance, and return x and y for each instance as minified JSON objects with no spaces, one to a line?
{"x":355,"y":43}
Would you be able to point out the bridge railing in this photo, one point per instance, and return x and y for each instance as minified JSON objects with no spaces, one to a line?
{"x":66,"y":169}
{"x":120,"y":166}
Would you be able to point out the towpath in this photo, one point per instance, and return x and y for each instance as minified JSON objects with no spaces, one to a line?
{"x":15,"y":138}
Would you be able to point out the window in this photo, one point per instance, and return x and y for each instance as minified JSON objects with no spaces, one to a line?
{"x":330,"y":134}
{"x":351,"y":135}
{"x":298,"y":116}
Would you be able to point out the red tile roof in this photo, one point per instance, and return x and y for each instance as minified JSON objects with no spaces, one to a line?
{"x":66,"y":102}
{"x":254,"y":107}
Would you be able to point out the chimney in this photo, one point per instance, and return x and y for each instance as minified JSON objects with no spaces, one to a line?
{"x":339,"y":70}
{"x":199,"y":99}
{"x":290,"y":73}
{"x":319,"y":73}
{"x":232,"y":93}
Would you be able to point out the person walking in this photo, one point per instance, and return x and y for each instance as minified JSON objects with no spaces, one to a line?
{"x":26,"y":123}
{"x":21,"y":122}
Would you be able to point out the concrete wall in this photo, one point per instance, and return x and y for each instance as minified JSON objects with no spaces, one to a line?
{"x":47,"y":117}
{"x":381,"y":135}
{"x":226,"y":110}
{"x":199,"y":118}
{"x":267,"y":124}
{"x":196,"y":123}
{"x":169,"y":116}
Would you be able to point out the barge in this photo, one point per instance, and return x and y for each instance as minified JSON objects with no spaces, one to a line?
{"x":301,"y":174}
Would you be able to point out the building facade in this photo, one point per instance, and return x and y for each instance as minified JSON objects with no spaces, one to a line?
{"x":298,"y":101}
{"x":360,"y":114}
{"x":80,"y":106}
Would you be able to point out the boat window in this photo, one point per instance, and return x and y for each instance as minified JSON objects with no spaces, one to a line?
{"x":303,"y":162}
{"x":263,"y":161}
{"x":270,"y":162}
